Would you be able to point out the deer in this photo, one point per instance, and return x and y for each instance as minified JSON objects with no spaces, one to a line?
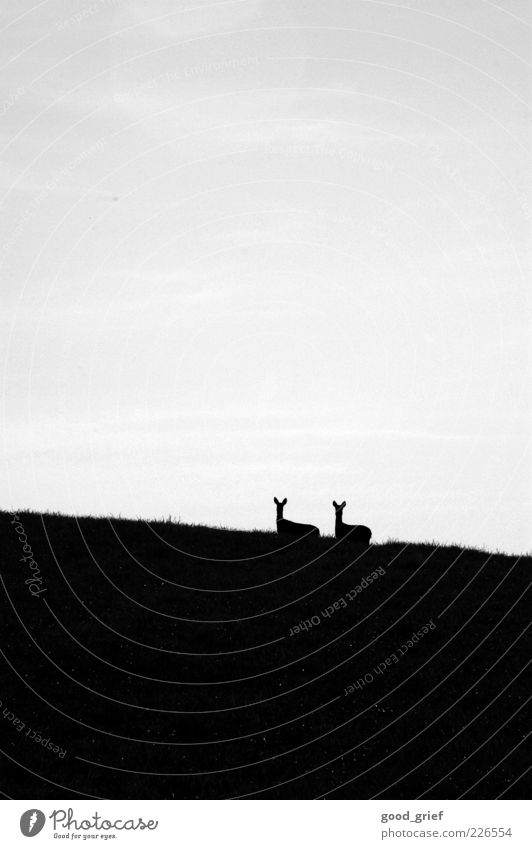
{"x":293,"y":528}
{"x":356,"y":533}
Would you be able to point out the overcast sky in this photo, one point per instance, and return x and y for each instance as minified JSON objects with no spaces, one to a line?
{"x":269,"y":248}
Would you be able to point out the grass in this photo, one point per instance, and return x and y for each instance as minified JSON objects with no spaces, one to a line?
{"x":163,"y":660}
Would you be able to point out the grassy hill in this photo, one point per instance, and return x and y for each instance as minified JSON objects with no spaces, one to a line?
{"x":170,"y":661}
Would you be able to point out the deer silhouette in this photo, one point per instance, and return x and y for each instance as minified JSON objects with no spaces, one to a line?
{"x":293,"y":528}
{"x":356,"y":533}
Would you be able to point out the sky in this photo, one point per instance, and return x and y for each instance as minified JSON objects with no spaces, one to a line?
{"x":253,"y":248}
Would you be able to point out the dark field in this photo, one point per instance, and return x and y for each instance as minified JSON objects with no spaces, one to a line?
{"x":149,"y":670}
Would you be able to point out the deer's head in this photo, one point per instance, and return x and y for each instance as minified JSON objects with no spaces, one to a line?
{"x":280,"y":507}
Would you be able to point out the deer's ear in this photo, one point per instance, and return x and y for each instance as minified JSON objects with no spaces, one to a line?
{"x":275,"y":500}
{"x":335,"y":505}
{"x":343,"y":505}
{"x":284,"y":502}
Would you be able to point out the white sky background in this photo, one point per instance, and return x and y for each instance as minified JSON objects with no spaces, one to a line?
{"x":269,"y":248}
